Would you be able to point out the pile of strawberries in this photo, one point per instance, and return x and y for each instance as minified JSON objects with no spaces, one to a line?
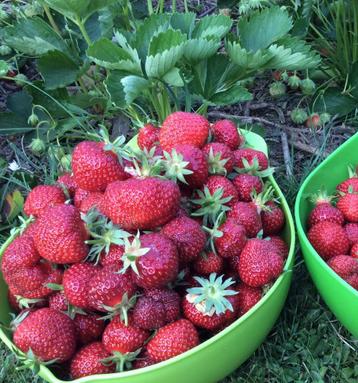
{"x":139,"y":255}
{"x":333,"y":228}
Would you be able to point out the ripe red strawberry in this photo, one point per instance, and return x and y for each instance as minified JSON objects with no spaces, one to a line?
{"x":273,"y":219}
{"x":143,"y":360}
{"x":198,"y":165}
{"x":246,"y":184}
{"x":349,"y":184}
{"x":172,"y":340}
{"x":93,"y":200}
{"x":256,"y":160}
{"x":187,"y":235}
{"x":153,"y":258}
{"x":41,"y":197}
{"x":352,"y":232}
{"x":245,"y":214}
{"x":220,"y":158}
{"x":24,"y":271}
{"x":17,"y":303}
{"x":148,"y":136}
{"x":249,"y":296}
{"x":149,"y":314}
{"x":324,"y":211}
{"x":354,"y":250}
{"x":231,"y":316}
{"x":313,"y":121}
{"x":88,"y":361}
{"x":141,"y":203}
{"x":107,"y":288}
{"x":225,"y":131}
{"x":30,"y":230}
{"x":208,"y":263}
{"x":278,"y":245}
{"x":232,"y":240}
{"x":58,"y":301}
{"x":216,"y":182}
{"x":348,"y":205}
{"x":257,"y":265}
{"x":61,"y":234}
{"x":346,"y":267}
{"x":50,"y":334}
{"x":118,"y":337}
{"x":113,"y":257}
{"x":68,"y":182}
{"x":170,"y":300}
{"x":329,"y":239}
{"x":183,"y":128}
{"x":89,"y":327}
{"x":76,"y":281}
{"x":94,"y":167}
{"x":80,"y":195}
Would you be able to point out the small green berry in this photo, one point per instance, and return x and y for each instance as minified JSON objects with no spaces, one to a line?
{"x":5,"y":50}
{"x":298,"y":116}
{"x":20,"y":79}
{"x":284,"y":76}
{"x":308,"y":87}
{"x":325,"y":117}
{"x":33,"y":120}
{"x":294,"y":82}
{"x":37,"y":146}
{"x":66,"y":161}
{"x":277,"y":89}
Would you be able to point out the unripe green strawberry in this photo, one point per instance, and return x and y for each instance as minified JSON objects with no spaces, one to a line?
{"x":325,"y":117}
{"x":277,"y":89}
{"x":37,"y":146}
{"x":294,"y":82}
{"x":298,"y":116}
{"x":284,"y":76}
{"x":307,"y":86}
{"x":33,"y":119}
{"x":66,"y":161}
{"x":5,"y":50}
{"x":20,"y":79}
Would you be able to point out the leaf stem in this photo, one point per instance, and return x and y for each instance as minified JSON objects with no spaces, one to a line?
{"x":174,"y":6}
{"x":150,"y":7}
{"x":82,"y":28}
{"x":51,"y":20}
{"x":186,"y":6}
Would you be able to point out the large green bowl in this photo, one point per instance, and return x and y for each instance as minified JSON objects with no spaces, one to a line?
{"x":217,"y":357}
{"x":339,"y":296}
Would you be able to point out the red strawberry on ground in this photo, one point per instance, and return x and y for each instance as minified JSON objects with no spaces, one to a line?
{"x":143,"y":204}
{"x":109,"y":289}
{"x":206,"y":305}
{"x":61,"y":235}
{"x":50,"y":335}
{"x":93,"y":200}
{"x":324,"y":210}
{"x":272,"y":218}
{"x":149,"y":314}
{"x":183,"y":128}
{"x":118,"y":337}
{"x":187,"y":235}
{"x":68,"y":182}
{"x":88,"y":361}
{"x":250,"y":159}
{"x":352,"y":232}
{"x":76,"y":281}
{"x":148,"y":136}
{"x":94,"y":167}
{"x":208,"y":263}
{"x":249,"y":296}
{"x":153,"y":259}
{"x":172,"y":340}
{"x":170,"y":300}
{"x":258,"y":266}
{"x":329,"y":239}
{"x":225,"y":131}
{"x":232,"y":239}
{"x":245,"y":214}
{"x":89,"y":327}
{"x":346,"y":267}
{"x":348,"y":205}
{"x":313,"y":121}
{"x":246,"y":184}
{"x":41,"y":197}
{"x":354,"y":250}
{"x":220,"y":158}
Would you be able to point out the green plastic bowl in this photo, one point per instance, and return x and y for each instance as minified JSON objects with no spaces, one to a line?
{"x":220,"y":355}
{"x":339,"y":296}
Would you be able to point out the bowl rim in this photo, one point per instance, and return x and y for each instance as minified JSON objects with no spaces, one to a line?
{"x":312,"y":253}
{"x":288,"y":269}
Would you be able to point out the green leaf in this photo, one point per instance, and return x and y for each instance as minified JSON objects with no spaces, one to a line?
{"x":334,"y":102}
{"x":14,"y":202}
{"x":353,"y":80}
{"x":166,"y":49}
{"x":196,"y":50}
{"x":233,"y":95}
{"x":173,"y":78}
{"x":78,"y":9}
{"x":185,"y":22}
{"x":57,"y":70}
{"x":12,"y":124}
{"x":4,"y":68}
{"x":247,"y":60}
{"x":212,"y":26}
{"x":109,"y":55}
{"x":34,"y":37}
{"x":20,"y":103}
{"x":262,"y":28}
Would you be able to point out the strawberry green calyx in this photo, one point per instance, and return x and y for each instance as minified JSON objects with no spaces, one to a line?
{"x":352,"y":173}
{"x":175,"y":167}
{"x":30,"y":361}
{"x":214,"y":232}
{"x":262,"y":198}
{"x":211,"y":205}
{"x":132,"y":252}
{"x":145,"y":163}
{"x":27,"y":302}
{"x":210,"y":297}
{"x":294,"y":81}
{"x":321,"y":197}
{"x":122,"y":361}
{"x":254,"y":169}
{"x":120,"y":309}
{"x":216,"y":163}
